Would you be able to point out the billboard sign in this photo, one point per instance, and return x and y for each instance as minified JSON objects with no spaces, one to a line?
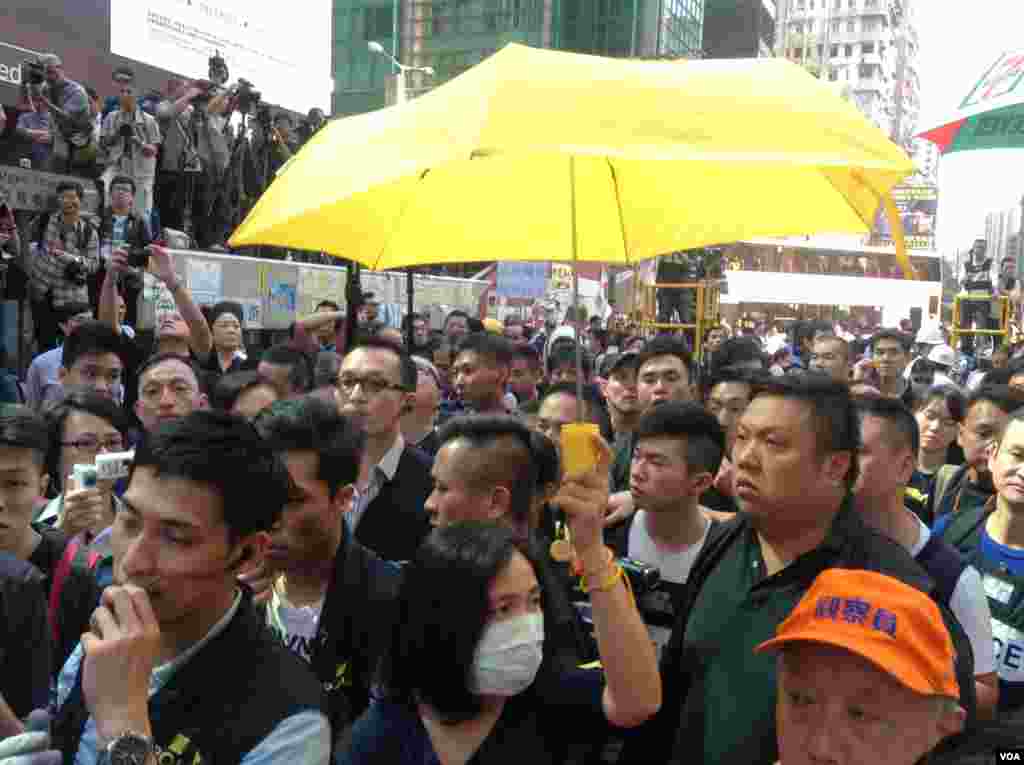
{"x":918,"y":205}
{"x":285,"y":53}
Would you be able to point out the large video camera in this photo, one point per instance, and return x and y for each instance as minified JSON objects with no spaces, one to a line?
{"x":247,"y":97}
{"x":33,"y":72}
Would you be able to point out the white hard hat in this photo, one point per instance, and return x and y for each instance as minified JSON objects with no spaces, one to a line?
{"x":930,"y":335}
{"x":942,"y":355}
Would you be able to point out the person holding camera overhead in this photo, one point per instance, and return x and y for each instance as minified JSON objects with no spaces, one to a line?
{"x":125,"y":229}
{"x":130,"y":138}
{"x":65,"y":252}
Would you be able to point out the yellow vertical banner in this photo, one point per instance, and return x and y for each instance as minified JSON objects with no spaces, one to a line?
{"x":896,"y":226}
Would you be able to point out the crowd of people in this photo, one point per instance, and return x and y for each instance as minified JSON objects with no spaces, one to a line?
{"x":362,"y":545}
{"x":191,"y":167}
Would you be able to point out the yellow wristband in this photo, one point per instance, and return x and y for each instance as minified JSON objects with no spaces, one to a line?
{"x":607,"y":584}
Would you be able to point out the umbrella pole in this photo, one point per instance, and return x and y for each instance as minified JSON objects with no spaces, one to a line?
{"x":576,"y":292}
{"x":409,"y":333}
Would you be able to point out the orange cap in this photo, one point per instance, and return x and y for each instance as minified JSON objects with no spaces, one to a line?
{"x":896,"y":627}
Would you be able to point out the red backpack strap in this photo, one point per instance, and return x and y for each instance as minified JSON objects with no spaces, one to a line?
{"x":60,"y":576}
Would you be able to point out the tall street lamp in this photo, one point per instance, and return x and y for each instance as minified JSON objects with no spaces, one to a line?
{"x":400,"y":98}
{"x":400,"y":94}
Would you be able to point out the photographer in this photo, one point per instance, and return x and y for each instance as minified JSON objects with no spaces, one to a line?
{"x":311,"y":125}
{"x":65,"y":253}
{"x":130,"y":138}
{"x":34,"y":127}
{"x":122,"y":229}
{"x":193,"y":149}
{"x":68,"y":105}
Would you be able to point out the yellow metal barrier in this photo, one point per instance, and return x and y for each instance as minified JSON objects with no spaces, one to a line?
{"x":706,"y":310}
{"x":978,"y":297}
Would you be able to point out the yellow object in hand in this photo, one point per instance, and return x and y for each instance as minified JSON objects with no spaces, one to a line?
{"x":579,"y":449}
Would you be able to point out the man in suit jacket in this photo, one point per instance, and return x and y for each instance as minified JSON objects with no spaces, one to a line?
{"x":376,"y":386}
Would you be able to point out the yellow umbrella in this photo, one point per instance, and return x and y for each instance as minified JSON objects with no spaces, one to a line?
{"x":544,"y":155}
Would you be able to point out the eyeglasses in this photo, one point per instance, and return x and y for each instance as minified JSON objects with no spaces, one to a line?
{"x":94,"y":444}
{"x":372,"y":385}
{"x":227,"y":325}
{"x":153,"y":391}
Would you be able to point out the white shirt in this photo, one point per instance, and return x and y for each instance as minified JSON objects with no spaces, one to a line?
{"x":383,"y":472}
{"x":294,"y":625}
{"x":969,"y":604}
{"x":674,"y":566}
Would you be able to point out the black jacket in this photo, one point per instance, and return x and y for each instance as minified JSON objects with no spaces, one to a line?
{"x":222,"y":702}
{"x":395,"y":523}
{"x":24,"y":637}
{"x":354,"y":628}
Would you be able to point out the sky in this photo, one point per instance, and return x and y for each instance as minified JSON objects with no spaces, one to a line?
{"x":959,"y":41}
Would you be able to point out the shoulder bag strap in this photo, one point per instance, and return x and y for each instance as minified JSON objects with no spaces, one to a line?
{"x":60,"y":577}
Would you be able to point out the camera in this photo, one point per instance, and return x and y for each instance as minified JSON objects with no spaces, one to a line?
{"x":642,"y":577}
{"x":33,"y":72}
{"x":85,"y":476}
{"x":113,"y":466}
{"x":138,"y":257}
{"x":246,"y":95}
{"x":126,"y":131}
{"x":74,"y":272}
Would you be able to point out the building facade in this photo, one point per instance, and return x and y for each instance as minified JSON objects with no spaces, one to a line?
{"x":868,"y":47}
{"x":450,"y":36}
{"x":739,"y":28}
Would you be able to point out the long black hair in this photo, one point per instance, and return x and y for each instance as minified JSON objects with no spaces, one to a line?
{"x":442,"y":613}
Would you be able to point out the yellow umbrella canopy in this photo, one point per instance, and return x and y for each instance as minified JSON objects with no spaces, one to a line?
{"x":552,"y":156}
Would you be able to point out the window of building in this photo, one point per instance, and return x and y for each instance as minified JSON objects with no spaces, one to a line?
{"x":848,"y":51}
{"x":868,"y":48}
{"x":812,"y":5}
{"x":835,"y":27}
{"x":833,"y":75}
{"x":853,"y":4}
{"x":835,"y":51}
{"x":378,"y":23}
{"x":820,"y":51}
{"x":866,"y":71}
{"x":801,"y":5}
{"x":798,"y":28}
{"x":851,"y":27}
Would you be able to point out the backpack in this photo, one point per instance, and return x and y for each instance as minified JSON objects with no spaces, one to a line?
{"x":75,"y":555}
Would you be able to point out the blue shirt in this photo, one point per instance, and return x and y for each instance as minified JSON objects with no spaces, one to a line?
{"x":302,"y":738}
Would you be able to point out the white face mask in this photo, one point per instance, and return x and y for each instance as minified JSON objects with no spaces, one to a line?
{"x":508,"y":656}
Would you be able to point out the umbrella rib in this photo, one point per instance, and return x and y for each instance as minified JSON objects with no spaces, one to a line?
{"x":398,"y":220}
{"x":618,"y":205}
{"x":861,"y":180}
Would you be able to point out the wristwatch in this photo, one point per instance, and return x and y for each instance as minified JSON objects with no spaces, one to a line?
{"x":130,"y":748}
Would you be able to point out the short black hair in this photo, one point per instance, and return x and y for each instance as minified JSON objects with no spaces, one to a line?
{"x":327,"y":304}
{"x":443,"y":607}
{"x":123,"y":180}
{"x":833,"y":413}
{"x":312,"y":425}
{"x":830,"y":338}
{"x":455,"y":313}
{"x":493,"y":348}
{"x":408,"y":375}
{"x":227,"y":306}
{"x":667,"y":345}
{"x":74,"y":186}
{"x":300,"y":373}
{"x":530,"y":355}
{"x":224,"y":452}
{"x":69,"y":311}
{"x":902,"y":426}
{"x":56,"y":418}
{"x":22,"y":428}
{"x":952,"y":396}
{"x":564,"y":355}
{"x":692,"y":423}
{"x":503,"y":456}
{"x":892,"y":334}
{"x":739,"y":376}
{"x":230,"y":387}
{"x":545,"y":454}
{"x":91,"y":337}
{"x":1003,"y":397}
{"x":738,"y":350}
{"x":159,"y":358}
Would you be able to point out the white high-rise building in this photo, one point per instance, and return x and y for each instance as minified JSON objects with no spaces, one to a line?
{"x":868,"y":47}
